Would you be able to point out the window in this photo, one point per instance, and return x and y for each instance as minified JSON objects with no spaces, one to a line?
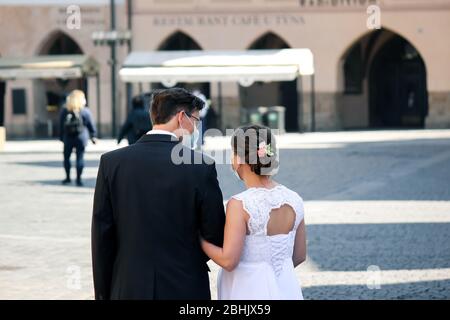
{"x":2,"y":103}
{"x":19,"y":101}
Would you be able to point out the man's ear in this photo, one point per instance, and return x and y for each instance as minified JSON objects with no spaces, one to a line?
{"x":180,"y":116}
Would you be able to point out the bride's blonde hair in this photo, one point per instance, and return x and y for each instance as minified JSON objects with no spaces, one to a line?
{"x":76,"y":101}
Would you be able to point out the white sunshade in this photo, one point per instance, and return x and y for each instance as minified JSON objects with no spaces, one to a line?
{"x":245,"y":67}
{"x":45,"y":67}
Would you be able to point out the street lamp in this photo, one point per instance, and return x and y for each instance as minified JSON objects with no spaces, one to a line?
{"x":112,"y":38}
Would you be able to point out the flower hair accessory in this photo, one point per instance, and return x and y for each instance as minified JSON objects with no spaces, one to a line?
{"x":265,"y":150}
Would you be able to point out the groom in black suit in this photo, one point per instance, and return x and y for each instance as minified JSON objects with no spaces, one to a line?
{"x":149,"y":210}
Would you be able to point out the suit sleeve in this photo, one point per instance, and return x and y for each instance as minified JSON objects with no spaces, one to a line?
{"x":103,"y":237}
{"x":212,"y":210}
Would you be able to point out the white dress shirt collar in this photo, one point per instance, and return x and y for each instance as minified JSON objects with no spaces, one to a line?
{"x":156,"y":131}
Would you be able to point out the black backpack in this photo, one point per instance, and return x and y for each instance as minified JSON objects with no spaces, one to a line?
{"x":73,"y":124}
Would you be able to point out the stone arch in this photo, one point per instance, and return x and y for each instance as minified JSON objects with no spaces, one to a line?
{"x":382,"y":80}
{"x":58,"y":41}
{"x":282,"y":93}
{"x":180,"y":40}
{"x":49,"y":94}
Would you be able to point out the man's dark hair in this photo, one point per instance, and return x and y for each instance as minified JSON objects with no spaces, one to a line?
{"x":137,"y":102}
{"x":166,"y":103}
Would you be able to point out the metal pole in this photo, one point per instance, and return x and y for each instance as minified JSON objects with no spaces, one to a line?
{"x":97,"y":78}
{"x":113,"y":69}
{"x":130,"y":23}
{"x":129,"y":87}
{"x":219,"y":92}
{"x":313,"y":105}
{"x":300,"y":103}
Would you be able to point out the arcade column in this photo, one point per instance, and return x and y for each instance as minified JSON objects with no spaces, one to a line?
{"x":2,"y":115}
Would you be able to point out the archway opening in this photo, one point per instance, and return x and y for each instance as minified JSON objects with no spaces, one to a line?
{"x":384,"y":83}
{"x":397,"y":86}
{"x":51,"y":93}
{"x":181,"y":41}
{"x":281,"y":93}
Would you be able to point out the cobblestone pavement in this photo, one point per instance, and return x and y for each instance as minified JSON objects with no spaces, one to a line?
{"x":377,"y":211}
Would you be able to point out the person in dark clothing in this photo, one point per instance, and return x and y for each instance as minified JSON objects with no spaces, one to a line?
{"x":137,"y":123}
{"x":210,"y":119}
{"x":76,"y":128}
{"x":149,"y":210}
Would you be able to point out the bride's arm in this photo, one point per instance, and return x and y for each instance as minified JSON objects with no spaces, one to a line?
{"x":234,"y":236}
{"x":299,"y":255}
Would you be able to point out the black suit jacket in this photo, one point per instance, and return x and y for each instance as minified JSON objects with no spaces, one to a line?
{"x":147,"y":217}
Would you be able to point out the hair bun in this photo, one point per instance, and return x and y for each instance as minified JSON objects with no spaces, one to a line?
{"x":256,"y":145}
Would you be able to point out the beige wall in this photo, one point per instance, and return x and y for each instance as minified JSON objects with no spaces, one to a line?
{"x":19,"y":125}
{"x":24,"y":33}
{"x":327,"y":31}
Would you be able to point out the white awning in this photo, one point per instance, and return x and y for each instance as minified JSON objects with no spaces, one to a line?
{"x":44,"y":67}
{"x":245,"y":67}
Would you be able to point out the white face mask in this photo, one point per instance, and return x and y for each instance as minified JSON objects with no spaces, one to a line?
{"x":190,"y":140}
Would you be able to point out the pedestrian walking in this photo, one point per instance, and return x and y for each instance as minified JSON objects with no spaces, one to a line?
{"x":137,"y":123}
{"x":76,"y":128}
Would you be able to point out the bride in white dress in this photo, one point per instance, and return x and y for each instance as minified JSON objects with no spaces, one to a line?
{"x":264,"y":236}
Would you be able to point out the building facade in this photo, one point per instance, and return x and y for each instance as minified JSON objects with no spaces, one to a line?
{"x":393,"y":75}
{"x":29,"y":108}
{"x":378,"y":63}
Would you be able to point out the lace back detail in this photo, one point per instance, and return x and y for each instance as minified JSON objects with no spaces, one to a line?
{"x":281,"y":248}
{"x":259,"y":203}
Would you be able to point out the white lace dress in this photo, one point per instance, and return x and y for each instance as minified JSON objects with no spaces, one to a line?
{"x":265,"y":270}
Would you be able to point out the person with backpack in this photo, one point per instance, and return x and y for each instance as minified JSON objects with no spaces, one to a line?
{"x":138,"y":122}
{"x":76,"y":128}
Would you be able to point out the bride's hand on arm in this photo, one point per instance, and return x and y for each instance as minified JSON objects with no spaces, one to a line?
{"x":234,"y":237}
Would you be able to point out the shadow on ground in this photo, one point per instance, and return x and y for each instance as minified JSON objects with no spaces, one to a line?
{"x":57,"y":164}
{"x":89,"y":183}
{"x":328,"y":173}
{"x":390,"y":246}
{"x":409,"y":291}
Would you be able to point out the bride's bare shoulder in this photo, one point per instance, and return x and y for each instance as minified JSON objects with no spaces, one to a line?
{"x":234,"y":204}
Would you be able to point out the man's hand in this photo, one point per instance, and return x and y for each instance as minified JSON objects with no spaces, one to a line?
{"x":94,"y":140}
